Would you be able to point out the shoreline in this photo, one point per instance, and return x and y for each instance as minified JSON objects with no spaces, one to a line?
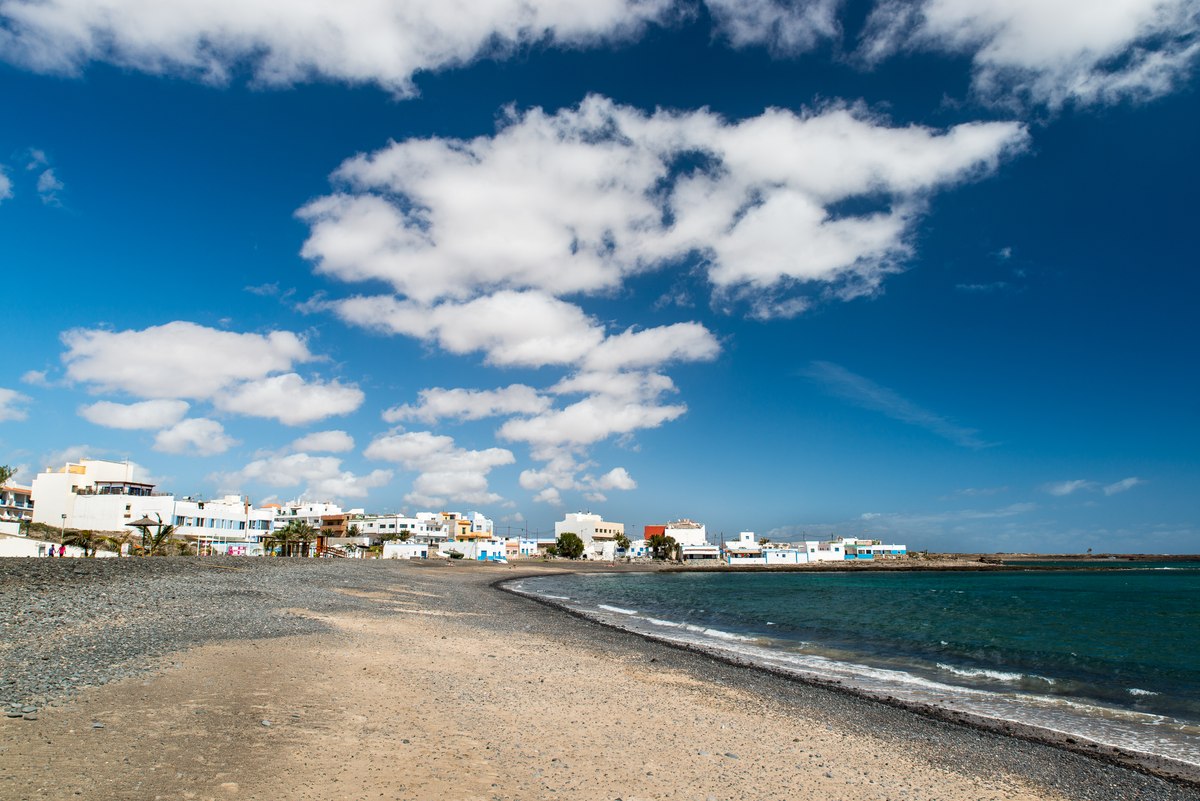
{"x":1182,"y":773}
{"x":416,"y":681}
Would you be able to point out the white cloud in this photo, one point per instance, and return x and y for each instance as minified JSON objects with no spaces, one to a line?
{"x":562,"y":473}
{"x":1123,"y":485}
{"x":447,"y":472}
{"x":549,"y":496}
{"x":290,"y":399}
{"x":1063,"y":488}
{"x":618,"y":478}
{"x":589,"y":420}
{"x":577,"y":201}
{"x":322,"y":476}
{"x":469,"y":404}
{"x":1050,"y":51}
{"x":972,"y":492}
{"x":480,"y":239}
{"x":651,"y":347}
{"x":785,"y":27}
{"x":149,"y":414}
{"x":48,"y":187}
{"x":613,"y":404}
{"x":176,"y":360}
{"x":35,"y":378}
{"x":284,"y":42}
{"x":324,"y":442}
{"x":11,"y":405}
{"x":194,"y":437}
{"x":181,"y":360}
{"x":5,"y":185}
{"x":528,"y":329}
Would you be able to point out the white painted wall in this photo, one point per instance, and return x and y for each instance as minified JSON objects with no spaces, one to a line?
{"x":113,"y":512}
{"x":406,"y":550}
{"x":684,"y":534}
{"x":492,"y":550}
{"x":23,"y":546}
{"x":53,"y":494}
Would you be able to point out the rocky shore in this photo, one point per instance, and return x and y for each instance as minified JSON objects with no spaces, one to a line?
{"x":412,"y":663}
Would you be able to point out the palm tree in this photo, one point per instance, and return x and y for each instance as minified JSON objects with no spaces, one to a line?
{"x":6,"y":474}
{"x":277,"y":541}
{"x":304,"y":534}
{"x":296,"y":531}
{"x":87,"y":540}
{"x":662,"y":546}
{"x":116,"y":541}
{"x":159,"y":543}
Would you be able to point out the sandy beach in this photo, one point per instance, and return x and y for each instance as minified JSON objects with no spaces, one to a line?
{"x":423,"y":681}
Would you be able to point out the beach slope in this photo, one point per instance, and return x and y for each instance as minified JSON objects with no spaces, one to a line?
{"x":415,"y":681}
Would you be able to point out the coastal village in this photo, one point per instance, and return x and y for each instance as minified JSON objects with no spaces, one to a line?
{"x":96,"y":507}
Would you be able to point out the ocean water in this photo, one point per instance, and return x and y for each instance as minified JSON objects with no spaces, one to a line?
{"x":1110,"y":655}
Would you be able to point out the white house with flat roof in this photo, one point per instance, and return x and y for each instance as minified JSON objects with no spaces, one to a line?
{"x":54,"y":491}
{"x":405,"y":550}
{"x":309,"y":512}
{"x":687,"y":532}
{"x":859,"y":548}
{"x":431,"y":528}
{"x":229,"y":525}
{"x":599,"y":535}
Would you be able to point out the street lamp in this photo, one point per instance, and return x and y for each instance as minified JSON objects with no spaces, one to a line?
{"x":62,"y":532}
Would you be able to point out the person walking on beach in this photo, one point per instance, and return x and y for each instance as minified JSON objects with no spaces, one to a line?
{"x":62,"y":550}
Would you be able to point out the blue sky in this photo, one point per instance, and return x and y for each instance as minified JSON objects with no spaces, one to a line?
{"x":922,"y":270}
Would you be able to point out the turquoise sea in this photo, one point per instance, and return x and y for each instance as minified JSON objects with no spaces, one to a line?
{"x":1109,"y":654}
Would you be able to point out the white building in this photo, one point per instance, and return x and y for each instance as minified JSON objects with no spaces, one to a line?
{"x":16,"y":503}
{"x":55,"y":491}
{"x":599,"y":535}
{"x":96,"y":495}
{"x":405,"y":550}
{"x":479,"y":549}
{"x":520,"y":547}
{"x":857,"y":548}
{"x":687,"y":532}
{"x":228,"y":525}
{"x":302,"y":511}
{"x":745,"y":550}
{"x":638,"y":549}
{"x":431,"y":528}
